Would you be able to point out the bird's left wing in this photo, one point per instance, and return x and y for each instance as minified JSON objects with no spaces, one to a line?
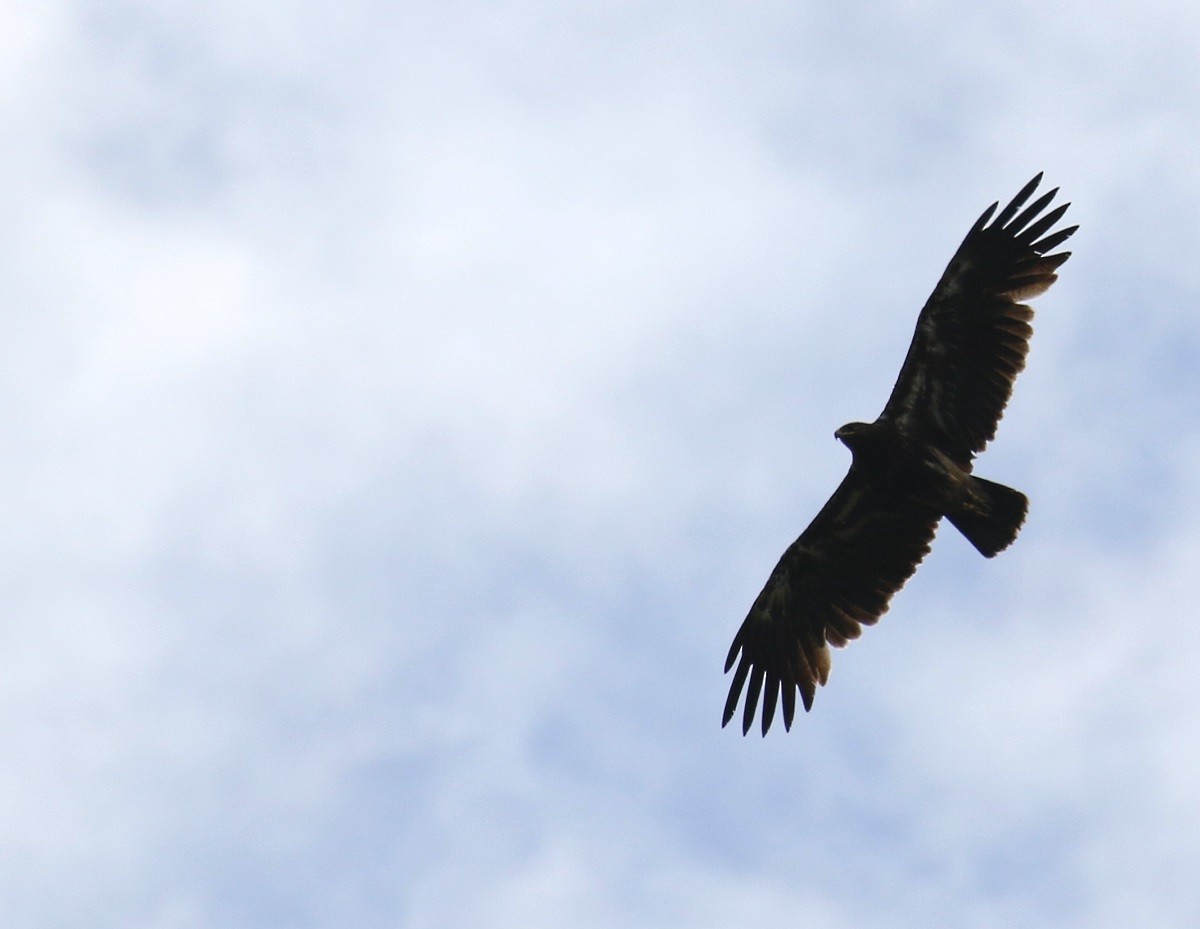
{"x":837,"y":577}
{"x":973,"y":333}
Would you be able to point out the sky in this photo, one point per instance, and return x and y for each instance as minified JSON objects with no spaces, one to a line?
{"x":403,"y":404}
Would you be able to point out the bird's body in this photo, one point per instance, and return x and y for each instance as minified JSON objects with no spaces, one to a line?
{"x":905,"y":467}
{"x":899,"y":463}
{"x":911,"y":466}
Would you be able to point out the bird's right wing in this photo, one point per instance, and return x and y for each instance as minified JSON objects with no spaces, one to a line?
{"x":837,"y":577}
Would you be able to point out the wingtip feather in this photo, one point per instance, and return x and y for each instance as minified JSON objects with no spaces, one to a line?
{"x":735,"y":690}
{"x":1030,"y":213}
{"x":1053,"y":241}
{"x":1018,"y":201}
{"x":751,"y":705}
{"x":789,"y":705}
{"x":984,"y":217}
{"x":733,"y":653}
{"x":770,"y":699}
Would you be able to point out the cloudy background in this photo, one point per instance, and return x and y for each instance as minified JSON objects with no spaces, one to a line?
{"x":402,"y":404}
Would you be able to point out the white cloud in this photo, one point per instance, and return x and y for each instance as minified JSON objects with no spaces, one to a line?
{"x":403,"y":404}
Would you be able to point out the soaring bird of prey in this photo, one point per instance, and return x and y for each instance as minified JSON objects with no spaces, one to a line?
{"x":910,"y":467}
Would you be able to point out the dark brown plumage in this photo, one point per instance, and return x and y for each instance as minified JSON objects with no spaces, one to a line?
{"x":911,"y":467}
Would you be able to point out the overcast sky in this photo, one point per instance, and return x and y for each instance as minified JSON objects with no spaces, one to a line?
{"x":402,"y":405}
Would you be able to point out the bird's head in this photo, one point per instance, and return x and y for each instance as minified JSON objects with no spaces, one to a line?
{"x":851,"y":434}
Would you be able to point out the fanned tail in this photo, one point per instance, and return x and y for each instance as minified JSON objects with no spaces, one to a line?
{"x":991,"y":517}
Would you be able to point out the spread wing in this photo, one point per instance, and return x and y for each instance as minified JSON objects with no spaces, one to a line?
{"x":973,"y":333}
{"x":837,"y":577}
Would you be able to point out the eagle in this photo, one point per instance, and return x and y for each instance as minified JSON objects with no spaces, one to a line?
{"x":910,"y":467}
